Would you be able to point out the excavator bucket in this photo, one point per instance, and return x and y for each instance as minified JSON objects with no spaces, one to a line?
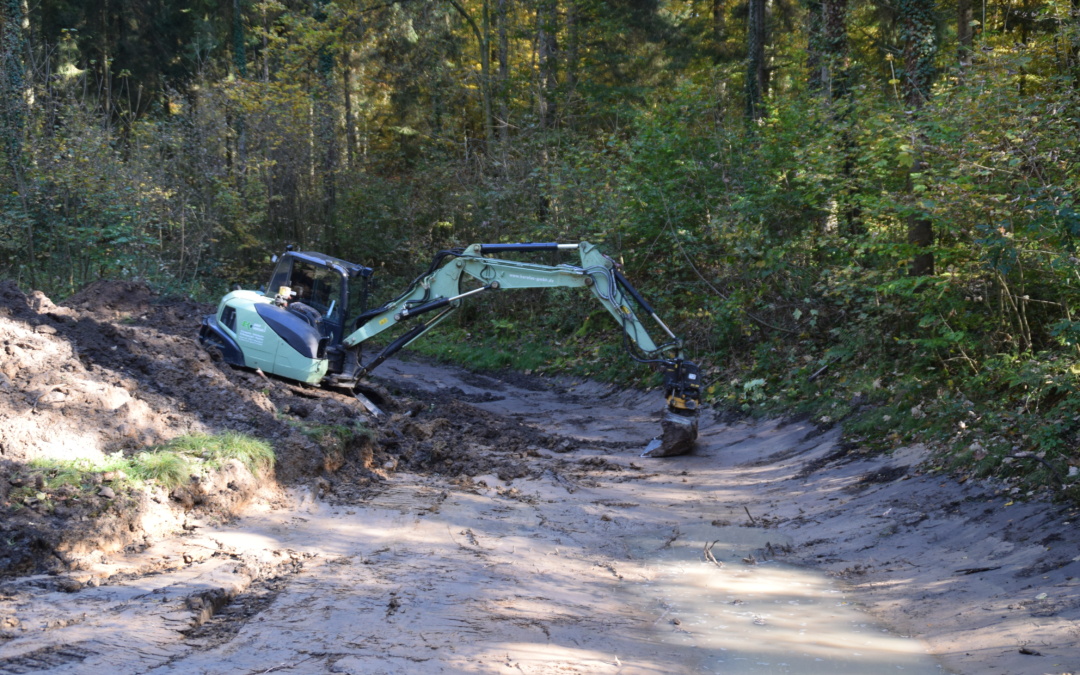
{"x":679,"y":425}
{"x":679,"y":434}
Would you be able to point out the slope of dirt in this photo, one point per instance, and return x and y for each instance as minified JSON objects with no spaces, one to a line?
{"x":116,"y":369}
{"x":486,"y":524}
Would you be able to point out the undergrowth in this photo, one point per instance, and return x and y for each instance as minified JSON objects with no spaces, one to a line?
{"x":1013,"y":419}
{"x":600,"y":356}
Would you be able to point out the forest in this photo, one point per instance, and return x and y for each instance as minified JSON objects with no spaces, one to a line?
{"x":864,"y":211}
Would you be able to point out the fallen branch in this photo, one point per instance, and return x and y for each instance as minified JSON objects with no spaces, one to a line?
{"x":1048,"y":465}
{"x":976,"y":570}
{"x":709,"y":555}
{"x":282,"y":666}
{"x":822,"y":369}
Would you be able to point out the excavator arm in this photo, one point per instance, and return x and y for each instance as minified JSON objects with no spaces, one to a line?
{"x":440,"y":291}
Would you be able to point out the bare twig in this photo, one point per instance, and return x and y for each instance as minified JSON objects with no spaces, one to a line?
{"x":752,"y":521}
{"x":822,"y":369}
{"x":976,"y":570}
{"x":671,"y":540}
{"x":716,"y":290}
{"x":1048,"y":465}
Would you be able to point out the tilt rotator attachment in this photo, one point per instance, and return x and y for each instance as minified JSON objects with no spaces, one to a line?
{"x":439,"y":291}
{"x":682,"y":389}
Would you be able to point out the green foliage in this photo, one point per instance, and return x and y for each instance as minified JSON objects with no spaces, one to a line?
{"x":217,"y":449}
{"x":334,"y":435}
{"x":335,"y":440}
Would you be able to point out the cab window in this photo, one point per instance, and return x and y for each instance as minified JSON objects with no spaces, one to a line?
{"x":316,"y":286}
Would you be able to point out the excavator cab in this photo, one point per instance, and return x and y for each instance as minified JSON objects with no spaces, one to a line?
{"x":294,"y":326}
{"x":335,"y":289}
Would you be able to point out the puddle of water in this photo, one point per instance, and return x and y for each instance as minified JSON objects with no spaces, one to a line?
{"x":760,"y":618}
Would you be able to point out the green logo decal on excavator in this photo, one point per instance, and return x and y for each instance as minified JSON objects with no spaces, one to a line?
{"x":251,"y":332}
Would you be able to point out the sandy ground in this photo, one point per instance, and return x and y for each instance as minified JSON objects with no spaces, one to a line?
{"x":771,"y":549}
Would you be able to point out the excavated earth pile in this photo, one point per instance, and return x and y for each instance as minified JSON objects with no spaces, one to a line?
{"x":113,"y":369}
{"x":116,"y":369}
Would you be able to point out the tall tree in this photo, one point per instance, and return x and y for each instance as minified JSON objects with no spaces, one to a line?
{"x":13,"y":94}
{"x":918,"y":27}
{"x":135,"y":51}
{"x":547,"y":48}
{"x":964,"y":33}
{"x":757,"y":73}
{"x":815,"y":44}
{"x":502,"y":20}
{"x":239,"y":49}
{"x":835,"y":63}
{"x":482,"y":32}
{"x":326,"y":134}
{"x":1074,"y":48}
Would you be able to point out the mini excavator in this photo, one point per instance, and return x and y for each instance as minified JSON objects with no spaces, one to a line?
{"x":310,"y":322}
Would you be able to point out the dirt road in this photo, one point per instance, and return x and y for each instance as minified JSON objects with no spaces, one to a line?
{"x":575,"y":555}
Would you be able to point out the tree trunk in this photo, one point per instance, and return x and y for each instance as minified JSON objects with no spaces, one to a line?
{"x":835,"y":44}
{"x":573,"y":38}
{"x":502,"y":19}
{"x":921,"y":235}
{"x":1074,"y":49}
{"x":13,"y":102}
{"x":14,"y":110}
{"x":265,"y":46}
{"x":239,"y":51}
{"x":547,"y":47}
{"x":917,"y":23}
{"x":350,"y":115}
{"x":757,"y":79}
{"x":235,"y":155}
{"x":483,"y":43}
{"x":326,"y":133}
{"x":964,"y":34}
{"x":719,"y":27}
{"x":815,"y":47}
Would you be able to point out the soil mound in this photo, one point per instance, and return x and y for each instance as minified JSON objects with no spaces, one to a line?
{"x":115,"y":369}
{"x":118,"y":369}
{"x":118,"y":298}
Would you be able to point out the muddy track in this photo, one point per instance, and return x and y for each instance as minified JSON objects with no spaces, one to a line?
{"x":507,"y":524}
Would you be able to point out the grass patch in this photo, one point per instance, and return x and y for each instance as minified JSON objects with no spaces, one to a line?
{"x":169,"y":469}
{"x":334,"y":439}
{"x":215,"y":450}
{"x":486,"y":352}
{"x":333,"y":433}
{"x":169,"y":465}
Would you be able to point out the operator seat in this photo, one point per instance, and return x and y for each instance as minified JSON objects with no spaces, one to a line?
{"x":309,"y":314}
